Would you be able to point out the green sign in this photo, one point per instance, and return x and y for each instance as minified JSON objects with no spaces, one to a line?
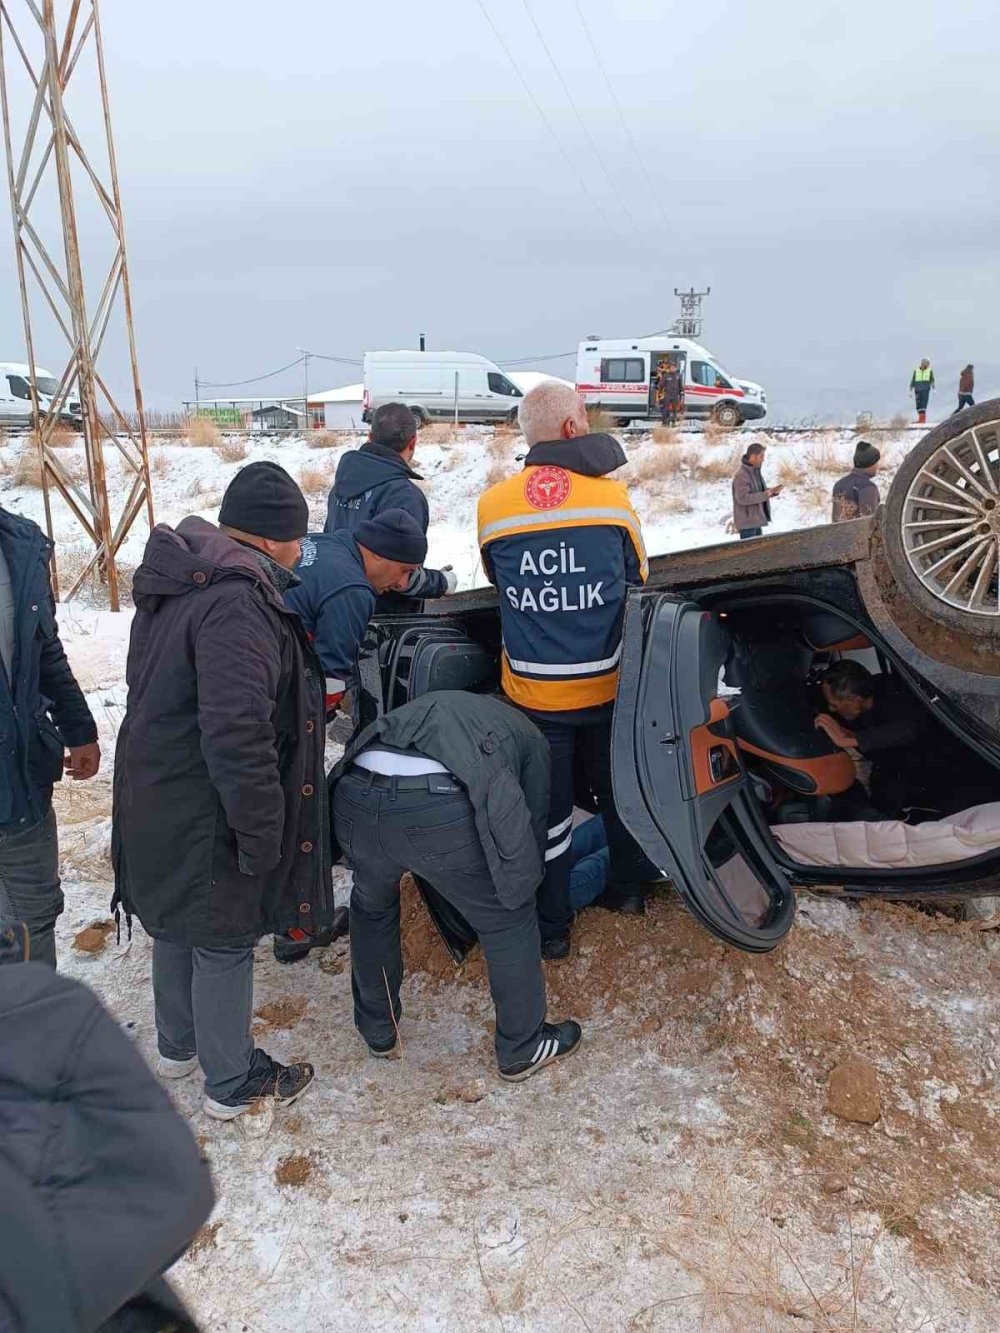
{"x":222,"y":416}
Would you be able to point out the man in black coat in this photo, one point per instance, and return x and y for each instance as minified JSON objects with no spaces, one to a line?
{"x":455,"y":788}
{"x":102,"y":1185}
{"x":378,"y":477}
{"x":42,"y":715}
{"x":221,"y":829}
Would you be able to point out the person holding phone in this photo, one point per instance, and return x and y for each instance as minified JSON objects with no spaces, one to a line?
{"x":751,"y":495}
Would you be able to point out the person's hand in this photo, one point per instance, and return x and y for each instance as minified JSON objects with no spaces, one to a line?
{"x":450,"y":579}
{"x":774,"y":490}
{"x":846,"y":740}
{"x":83,"y":761}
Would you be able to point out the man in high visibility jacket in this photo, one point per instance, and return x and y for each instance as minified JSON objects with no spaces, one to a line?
{"x":562,"y":543}
{"x":921,"y":382}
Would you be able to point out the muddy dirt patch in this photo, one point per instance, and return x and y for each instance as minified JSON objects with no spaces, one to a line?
{"x":281,"y":1014}
{"x":93,"y":938}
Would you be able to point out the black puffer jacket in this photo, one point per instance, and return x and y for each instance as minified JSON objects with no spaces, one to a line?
{"x":43,"y":709}
{"x":102,"y":1186}
{"x":220,"y":828}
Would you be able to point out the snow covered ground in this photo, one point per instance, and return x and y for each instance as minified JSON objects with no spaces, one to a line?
{"x":681,"y":1171}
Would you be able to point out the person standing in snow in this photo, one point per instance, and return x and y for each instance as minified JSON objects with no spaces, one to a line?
{"x":670,"y":392}
{"x":856,"y":495}
{"x":221,"y":830}
{"x":922,"y":382}
{"x":751,"y":495}
{"x":379,"y":476}
{"x":47,"y":729}
{"x":966,"y":388}
{"x":562,"y":543}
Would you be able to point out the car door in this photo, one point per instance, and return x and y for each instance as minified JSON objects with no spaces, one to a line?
{"x":680,"y":787}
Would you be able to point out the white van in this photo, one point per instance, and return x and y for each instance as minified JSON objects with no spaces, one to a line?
{"x":618,"y":375}
{"x":430,"y":383}
{"x":15,"y":395}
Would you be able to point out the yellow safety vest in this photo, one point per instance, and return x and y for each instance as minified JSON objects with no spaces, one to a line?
{"x":922,"y":376}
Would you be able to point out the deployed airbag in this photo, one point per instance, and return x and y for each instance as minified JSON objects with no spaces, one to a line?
{"x":889,"y":844}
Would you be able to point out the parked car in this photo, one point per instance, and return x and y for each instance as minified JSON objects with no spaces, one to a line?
{"x":436,"y":385}
{"x":619,"y":376}
{"x":16,"y":407}
{"x":719,"y":646}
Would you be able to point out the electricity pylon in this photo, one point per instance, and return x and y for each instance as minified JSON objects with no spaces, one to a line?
{"x":689,"y":323}
{"x":44,"y":53}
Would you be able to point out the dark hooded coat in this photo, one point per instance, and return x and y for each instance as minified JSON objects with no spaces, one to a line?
{"x":220,"y":823}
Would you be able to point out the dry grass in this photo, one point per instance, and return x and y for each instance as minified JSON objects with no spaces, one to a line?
{"x":62,"y":436}
{"x":159,"y":463}
{"x":654,"y":465}
{"x":709,"y":467}
{"x":599,"y":420}
{"x":716,"y":434}
{"x":316,"y":478}
{"x":28,"y":468}
{"x":822,"y":459}
{"x":438,"y":432}
{"x":666,"y":435}
{"x":201,"y":433}
{"x":791,"y":473}
{"x":231,"y":449}
{"x":322,"y":439}
{"x":208,"y":497}
{"x":816,"y":499}
{"x":898,"y":423}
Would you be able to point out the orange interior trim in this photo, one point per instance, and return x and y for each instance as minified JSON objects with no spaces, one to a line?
{"x":844,"y":646}
{"x":832,"y":773}
{"x":703,"y":742}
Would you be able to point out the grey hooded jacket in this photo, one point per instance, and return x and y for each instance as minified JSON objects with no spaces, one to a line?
{"x":499,"y":757}
{"x":102,"y":1185}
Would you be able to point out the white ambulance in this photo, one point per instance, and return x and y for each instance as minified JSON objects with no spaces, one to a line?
{"x":619,"y":376}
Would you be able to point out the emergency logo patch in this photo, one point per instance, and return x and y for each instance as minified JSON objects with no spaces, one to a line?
{"x":547,"y":487}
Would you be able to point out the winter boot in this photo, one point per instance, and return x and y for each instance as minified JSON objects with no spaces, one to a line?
{"x":296,"y":945}
{"x":922,"y":418}
{"x":280,"y":1084}
{"x":556,"y":1040}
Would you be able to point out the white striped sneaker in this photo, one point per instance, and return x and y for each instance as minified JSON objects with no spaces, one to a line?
{"x":176,"y":1068}
{"x":556,"y":1040}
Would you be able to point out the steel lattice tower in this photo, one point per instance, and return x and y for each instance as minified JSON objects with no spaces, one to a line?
{"x":43,"y":52}
{"x":689,"y":323}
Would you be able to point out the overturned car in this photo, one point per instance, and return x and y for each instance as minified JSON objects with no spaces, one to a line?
{"x":713,"y":735}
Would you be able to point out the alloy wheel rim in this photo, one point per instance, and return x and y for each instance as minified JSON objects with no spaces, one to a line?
{"x":951,"y":522}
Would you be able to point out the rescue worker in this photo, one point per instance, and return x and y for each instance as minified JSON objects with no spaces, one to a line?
{"x":670,"y":393}
{"x":377,"y":477}
{"x":966,"y":388}
{"x":339,"y":576}
{"x":922,"y":382}
{"x":856,"y":495}
{"x":562,"y":543}
{"x":453,"y":787}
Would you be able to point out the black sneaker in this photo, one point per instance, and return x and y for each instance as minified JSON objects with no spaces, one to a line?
{"x":289,"y":949}
{"x":282,"y":1084}
{"x":382,"y":1052}
{"x":629,"y":903}
{"x":556,"y":948}
{"x":557,"y":1040}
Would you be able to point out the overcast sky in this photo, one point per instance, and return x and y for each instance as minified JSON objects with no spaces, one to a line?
{"x":344,"y":177}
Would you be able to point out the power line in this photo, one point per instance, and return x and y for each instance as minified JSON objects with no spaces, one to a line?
{"x":235,"y":384}
{"x":581,"y":179}
{"x":530,"y":360}
{"x":621,"y":114}
{"x":582,"y":123}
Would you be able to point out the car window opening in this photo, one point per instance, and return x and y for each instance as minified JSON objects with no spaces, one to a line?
{"x":910,"y":796}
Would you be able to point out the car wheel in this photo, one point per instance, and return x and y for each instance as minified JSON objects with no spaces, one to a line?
{"x":512,"y":417}
{"x":421,"y":414}
{"x":942,"y":522}
{"x":727,"y":415}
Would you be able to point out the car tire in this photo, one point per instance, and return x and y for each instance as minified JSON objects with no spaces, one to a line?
{"x":422,"y":415}
{"x":946,"y":497}
{"x":727,"y":415}
{"x":512,"y":417}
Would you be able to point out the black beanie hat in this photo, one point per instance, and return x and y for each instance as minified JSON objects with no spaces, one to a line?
{"x":264,"y":501}
{"x":865,"y":454}
{"x":395,"y":535}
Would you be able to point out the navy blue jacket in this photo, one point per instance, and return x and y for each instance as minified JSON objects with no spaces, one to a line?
{"x":335,"y":602}
{"x":370,"y":480}
{"x":42,"y":710}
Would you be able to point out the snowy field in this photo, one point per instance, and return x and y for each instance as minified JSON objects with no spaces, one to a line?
{"x":681,"y":1171}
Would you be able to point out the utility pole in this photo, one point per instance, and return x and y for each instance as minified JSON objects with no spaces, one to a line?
{"x":690,"y":321}
{"x":39,"y":55}
{"x":305,"y":384}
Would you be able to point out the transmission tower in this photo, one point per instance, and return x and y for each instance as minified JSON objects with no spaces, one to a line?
{"x":689,"y":323}
{"x":40,"y":54}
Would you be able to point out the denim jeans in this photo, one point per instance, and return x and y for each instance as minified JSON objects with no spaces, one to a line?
{"x":30,"y":891}
{"x":750,"y":532}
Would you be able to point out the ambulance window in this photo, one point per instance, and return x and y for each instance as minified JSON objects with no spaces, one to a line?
{"x":19,"y":386}
{"x":703,"y":372}
{"x":623,"y":370}
{"x":501,"y":384}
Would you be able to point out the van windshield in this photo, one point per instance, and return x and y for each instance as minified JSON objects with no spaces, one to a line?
{"x":46,"y":384}
{"x":20,"y":388}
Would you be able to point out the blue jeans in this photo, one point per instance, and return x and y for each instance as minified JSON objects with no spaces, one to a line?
{"x":589,"y":863}
{"x":750,"y":532}
{"x":30,"y":891}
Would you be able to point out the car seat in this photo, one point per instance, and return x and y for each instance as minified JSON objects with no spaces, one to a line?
{"x":774,"y":722}
{"x":826,"y":632}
